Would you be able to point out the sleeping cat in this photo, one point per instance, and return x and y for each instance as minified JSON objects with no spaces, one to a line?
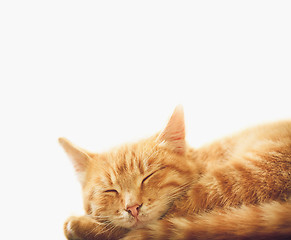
{"x":160,"y":188}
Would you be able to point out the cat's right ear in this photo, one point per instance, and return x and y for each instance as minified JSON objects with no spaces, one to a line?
{"x":173,"y":136}
{"x":80,"y":158}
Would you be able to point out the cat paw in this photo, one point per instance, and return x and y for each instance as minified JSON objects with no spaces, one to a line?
{"x":69,"y":227}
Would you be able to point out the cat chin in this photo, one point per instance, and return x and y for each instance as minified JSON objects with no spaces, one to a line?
{"x":134,"y":224}
{"x":137,"y":224}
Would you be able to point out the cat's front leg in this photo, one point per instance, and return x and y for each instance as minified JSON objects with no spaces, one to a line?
{"x":86,"y":228}
{"x":70,"y":228}
{"x":138,"y":234}
{"x":160,"y":230}
{"x":155,"y":230}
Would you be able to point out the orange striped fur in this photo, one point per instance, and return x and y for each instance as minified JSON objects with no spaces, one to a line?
{"x":160,"y":188}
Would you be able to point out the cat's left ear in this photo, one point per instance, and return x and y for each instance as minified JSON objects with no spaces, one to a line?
{"x":173,"y":136}
{"x":80,"y":158}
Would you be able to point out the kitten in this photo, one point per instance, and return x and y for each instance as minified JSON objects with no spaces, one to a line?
{"x":160,"y":188}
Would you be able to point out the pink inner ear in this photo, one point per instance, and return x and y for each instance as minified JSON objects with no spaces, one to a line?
{"x":174,"y":133}
{"x":78,"y":167}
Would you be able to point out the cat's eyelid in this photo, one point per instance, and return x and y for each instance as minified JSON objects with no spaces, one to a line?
{"x":111,"y":191}
{"x":148,"y":176}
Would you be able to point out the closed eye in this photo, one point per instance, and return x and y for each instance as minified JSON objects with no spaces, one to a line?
{"x":111,"y":191}
{"x":148,"y":176}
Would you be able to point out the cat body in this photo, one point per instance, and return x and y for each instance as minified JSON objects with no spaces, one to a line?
{"x":238,"y":187}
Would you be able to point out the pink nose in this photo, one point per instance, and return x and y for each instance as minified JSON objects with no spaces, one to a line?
{"x":133,"y":210}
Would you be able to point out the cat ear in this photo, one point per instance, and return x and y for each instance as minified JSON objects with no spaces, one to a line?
{"x":80,"y":158}
{"x":173,"y":136}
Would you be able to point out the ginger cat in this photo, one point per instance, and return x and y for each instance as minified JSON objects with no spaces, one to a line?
{"x":160,"y":188}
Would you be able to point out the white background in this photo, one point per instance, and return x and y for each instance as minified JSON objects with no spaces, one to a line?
{"x":106,"y":72}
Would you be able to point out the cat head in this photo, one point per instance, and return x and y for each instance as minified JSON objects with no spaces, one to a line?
{"x":135,"y":183}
